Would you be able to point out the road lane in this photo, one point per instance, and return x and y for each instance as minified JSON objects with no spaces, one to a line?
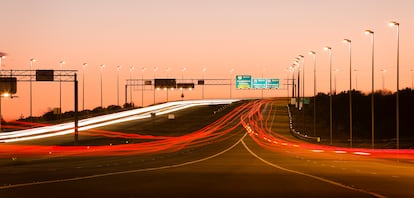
{"x":230,"y":166}
{"x":387,"y":177}
{"x":234,"y":172}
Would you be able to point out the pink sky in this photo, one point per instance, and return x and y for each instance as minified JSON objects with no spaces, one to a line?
{"x":257,"y":37}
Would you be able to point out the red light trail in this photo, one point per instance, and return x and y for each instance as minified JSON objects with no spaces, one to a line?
{"x":250,"y":115}
{"x":257,"y":125}
{"x":219,"y":130}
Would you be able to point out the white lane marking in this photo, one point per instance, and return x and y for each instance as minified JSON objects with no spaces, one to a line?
{"x":123,"y":172}
{"x":311,"y":176}
{"x":273,"y":118}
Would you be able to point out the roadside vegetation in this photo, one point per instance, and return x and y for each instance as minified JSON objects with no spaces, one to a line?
{"x":384,"y":117}
{"x":51,"y":117}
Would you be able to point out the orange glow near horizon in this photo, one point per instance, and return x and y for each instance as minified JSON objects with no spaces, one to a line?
{"x":210,"y":39}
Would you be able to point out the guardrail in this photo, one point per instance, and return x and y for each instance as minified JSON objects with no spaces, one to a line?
{"x":298,"y":134}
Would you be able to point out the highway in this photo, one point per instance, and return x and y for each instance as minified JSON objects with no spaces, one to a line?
{"x":244,"y":149}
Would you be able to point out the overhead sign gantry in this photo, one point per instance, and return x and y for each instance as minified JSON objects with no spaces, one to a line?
{"x":9,"y":79}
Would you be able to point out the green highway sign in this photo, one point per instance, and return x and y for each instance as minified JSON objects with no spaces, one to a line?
{"x":243,"y":81}
{"x":247,"y":82}
{"x":259,"y":83}
{"x":273,"y":83}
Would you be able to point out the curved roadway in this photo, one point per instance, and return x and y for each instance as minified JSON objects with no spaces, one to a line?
{"x":247,"y":152}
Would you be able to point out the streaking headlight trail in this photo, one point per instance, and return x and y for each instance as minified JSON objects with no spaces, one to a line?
{"x":90,"y":123}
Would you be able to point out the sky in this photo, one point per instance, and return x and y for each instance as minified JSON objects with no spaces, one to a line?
{"x":209,"y":38}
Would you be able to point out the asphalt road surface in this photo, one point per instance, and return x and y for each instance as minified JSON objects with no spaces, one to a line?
{"x":230,"y":162}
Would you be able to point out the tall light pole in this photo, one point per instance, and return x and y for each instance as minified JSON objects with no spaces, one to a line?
{"x":371,"y":33}
{"x":100,"y":72}
{"x":83,"y":85}
{"x":2,"y":95}
{"x":117,"y":84}
{"x":335,"y":71}
{"x":292,"y":69}
{"x":2,"y":56}
{"x":397,"y":111}
{"x":356,"y":78}
{"x":329,"y":49}
{"x":383,"y":78}
{"x":263,"y":71}
{"x":142,"y":86}
{"x":231,"y":79}
{"x":32,"y":60}
{"x":297,"y":63}
{"x":204,"y":71}
{"x":303,"y":78}
{"x":182,"y":72}
{"x":166,"y":89}
{"x":314,"y":91}
{"x":289,"y":69}
{"x":182,"y":78}
{"x":60,"y":87}
{"x":155,"y":70}
{"x":349,"y":42}
{"x":131,"y":69}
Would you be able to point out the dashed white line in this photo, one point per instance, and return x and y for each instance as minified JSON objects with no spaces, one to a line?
{"x":311,"y":176}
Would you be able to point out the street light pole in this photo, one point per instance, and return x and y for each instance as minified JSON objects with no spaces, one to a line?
{"x":292,"y":67}
{"x":263,"y":70}
{"x":356,"y":79}
{"x":314,"y":91}
{"x":101,"y":67}
{"x":204,"y":71}
{"x":303,"y":78}
{"x":182,"y":78}
{"x":131,"y":69}
{"x":1,"y":118}
{"x":370,"y":32}
{"x":32,"y":60}
{"x":83,"y":85}
{"x":2,"y":56}
{"x":155,"y":70}
{"x":231,"y":79}
{"x":335,"y":71}
{"x":117,"y":84}
{"x":297,"y":63}
{"x":329,"y":49}
{"x":142,"y":86}
{"x":1,"y":94}
{"x":383,"y":78}
{"x":397,"y":111}
{"x":349,"y":42}
{"x":60,"y":88}
{"x":166,"y":89}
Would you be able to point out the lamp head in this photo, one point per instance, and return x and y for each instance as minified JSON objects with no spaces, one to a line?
{"x":393,"y":23}
{"x":369,"y":32}
{"x":327,"y":48}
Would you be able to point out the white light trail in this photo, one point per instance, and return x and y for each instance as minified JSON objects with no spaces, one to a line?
{"x":89,"y":123}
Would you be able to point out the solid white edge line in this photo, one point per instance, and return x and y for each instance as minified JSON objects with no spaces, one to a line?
{"x":123,"y":172}
{"x":309,"y":175}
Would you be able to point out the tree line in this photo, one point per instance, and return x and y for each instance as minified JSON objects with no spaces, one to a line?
{"x":384,"y":116}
